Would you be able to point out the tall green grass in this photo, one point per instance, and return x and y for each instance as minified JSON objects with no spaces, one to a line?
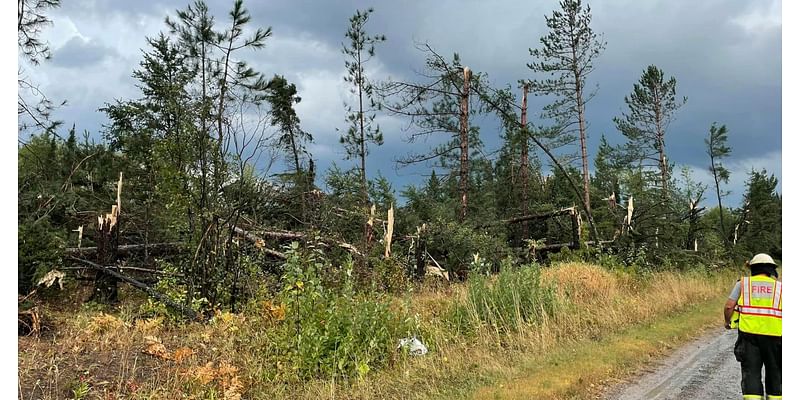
{"x":512,"y":300}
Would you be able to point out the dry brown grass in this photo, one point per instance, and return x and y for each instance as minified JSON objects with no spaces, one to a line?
{"x":121,"y":356}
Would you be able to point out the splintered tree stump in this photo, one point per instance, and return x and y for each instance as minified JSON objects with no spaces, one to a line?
{"x":105,"y":285}
{"x":28,"y":322}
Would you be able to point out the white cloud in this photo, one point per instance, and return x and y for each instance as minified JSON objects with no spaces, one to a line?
{"x":764,"y":17}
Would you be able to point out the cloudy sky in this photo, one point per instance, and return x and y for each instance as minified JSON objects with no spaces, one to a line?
{"x":726,"y":57}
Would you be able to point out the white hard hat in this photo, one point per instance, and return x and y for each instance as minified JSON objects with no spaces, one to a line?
{"x":761,"y":258}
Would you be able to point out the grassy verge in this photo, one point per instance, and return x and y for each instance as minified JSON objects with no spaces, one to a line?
{"x":580,"y":370}
{"x":301,"y":345}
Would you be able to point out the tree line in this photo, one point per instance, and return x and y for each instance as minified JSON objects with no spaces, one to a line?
{"x":198,"y":148}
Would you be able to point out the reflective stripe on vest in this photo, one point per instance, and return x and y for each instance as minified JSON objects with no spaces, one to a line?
{"x":753,"y":397}
{"x":746,"y":291}
{"x":759,"y":306}
{"x":760,"y":311}
{"x":776,"y":296}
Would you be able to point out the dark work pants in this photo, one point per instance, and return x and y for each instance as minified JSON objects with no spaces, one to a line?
{"x":753,"y":351}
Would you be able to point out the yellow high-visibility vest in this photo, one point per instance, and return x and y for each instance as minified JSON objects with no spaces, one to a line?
{"x":760,"y":306}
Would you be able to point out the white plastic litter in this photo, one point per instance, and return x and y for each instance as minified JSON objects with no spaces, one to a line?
{"x":414,"y":346}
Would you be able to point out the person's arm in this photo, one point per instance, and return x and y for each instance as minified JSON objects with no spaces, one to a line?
{"x":729,"y":307}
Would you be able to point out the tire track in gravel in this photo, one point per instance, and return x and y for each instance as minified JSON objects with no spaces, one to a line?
{"x":703,"y":369}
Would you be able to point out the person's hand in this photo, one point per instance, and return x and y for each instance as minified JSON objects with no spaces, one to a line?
{"x":727,"y":325}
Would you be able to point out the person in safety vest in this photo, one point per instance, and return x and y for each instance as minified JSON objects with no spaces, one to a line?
{"x":754,"y":307}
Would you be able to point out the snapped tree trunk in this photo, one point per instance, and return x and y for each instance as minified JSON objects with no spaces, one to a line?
{"x":420,"y":251}
{"x":523,"y":164}
{"x":105,"y":285}
{"x":584,"y":153}
{"x":464,"y":145}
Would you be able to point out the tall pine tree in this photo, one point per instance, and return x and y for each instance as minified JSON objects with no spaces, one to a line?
{"x":567,"y":56}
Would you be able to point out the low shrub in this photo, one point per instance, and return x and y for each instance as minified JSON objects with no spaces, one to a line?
{"x":390,"y":275}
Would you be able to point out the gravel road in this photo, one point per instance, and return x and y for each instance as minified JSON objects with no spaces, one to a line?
{"x":703,"y":369}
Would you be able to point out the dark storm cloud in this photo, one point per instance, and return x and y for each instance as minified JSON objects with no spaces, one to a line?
{"x":726,"y":57}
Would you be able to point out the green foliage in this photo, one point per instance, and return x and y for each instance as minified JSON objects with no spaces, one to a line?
{"x":40,"y":248}
{"x":389,"y":275}
{"x":344,"y":189}
{"x":759,"y":217}
{"x":80,"y":388}
{"x":659,"y":220}
{"x":717,"y":149}
{"x":56,"y":180}
{"x":381,"y":193}
{"x":651,"y":107}
{"x":570,"y":42}
{"x":430,"y":202}
{"x":514,"y":299}
{"x":454,"y":245}
{"x":333,"y":334}
{"x":362,"y":129}
{"x":191,"y":151}
{"x":282,"y":96}
{"x":713,"y":243}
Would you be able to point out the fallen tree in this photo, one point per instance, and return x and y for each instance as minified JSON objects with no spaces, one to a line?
{"x":259,"y":238}
{"x":128,"y":249}
{"x":185,"y":311}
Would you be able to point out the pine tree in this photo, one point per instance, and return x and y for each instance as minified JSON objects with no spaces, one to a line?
{"x":442,"y":107}
{"x":651,"y":107}
{"x":606,"y":183}
{"x":361,"y":132}
{"x":717,"y":148}
{"x":760,"y":216}
{"x":567,"y":55}
{"x":34,"y":108}
{"x":282,"y":96}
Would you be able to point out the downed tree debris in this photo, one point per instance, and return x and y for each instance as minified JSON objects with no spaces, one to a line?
{"x":389,"y":231}
{"x":121,"y":268}
{"x":544,"y":215}
{"x":286,"y":235}
{"x":51,"y":277}
{"x":128,"y":248}
{"x":28,"y":322}
{"x":105,"y":285}
{"x":259,"y":242}
{"x":436,"y":270}
{"x":187,"y":312}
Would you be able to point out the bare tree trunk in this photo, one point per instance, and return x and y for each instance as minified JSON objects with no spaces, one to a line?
{"x":587,"y":203}
{"x":362,"y":138}
{"x":576,"y":234}
{"x":662,"y":156}
{"x":719,"y":196}
{"x":420,"y":250}
{"x":584,"y":153}
{"x":464,"y":141}
{"x":298,"y":174}
{"x":523,"y":164}
{"x":363,"y":156}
